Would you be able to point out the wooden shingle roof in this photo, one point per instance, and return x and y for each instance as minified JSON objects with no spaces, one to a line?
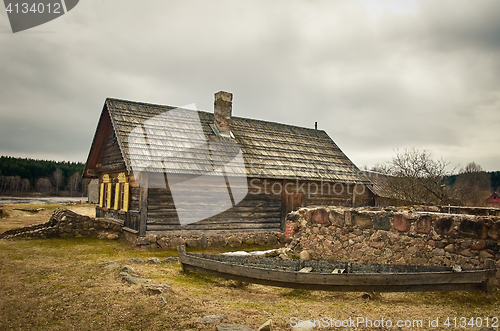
{"x":158,"y":138}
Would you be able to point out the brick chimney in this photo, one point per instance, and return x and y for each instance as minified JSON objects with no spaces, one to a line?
{"x":223,"y":108}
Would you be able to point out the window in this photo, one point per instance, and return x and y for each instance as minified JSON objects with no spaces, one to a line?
{"x":122,"y":193}
{"x":114,"y":195}
{"x":106,"y":192}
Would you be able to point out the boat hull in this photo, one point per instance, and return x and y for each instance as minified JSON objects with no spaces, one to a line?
{"x":467,"y":280}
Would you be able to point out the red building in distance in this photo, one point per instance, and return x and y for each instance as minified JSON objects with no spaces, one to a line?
{"x":493,"y":201}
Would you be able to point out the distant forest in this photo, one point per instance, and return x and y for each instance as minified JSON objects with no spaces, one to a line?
{"x":24,"y":177}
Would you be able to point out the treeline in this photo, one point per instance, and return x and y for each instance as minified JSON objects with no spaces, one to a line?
{"x":22,"y":176}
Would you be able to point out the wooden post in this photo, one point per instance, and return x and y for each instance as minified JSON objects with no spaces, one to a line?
{"x":353,"y":195}
{"x":284,"y":207}
{"x":143,"y":202}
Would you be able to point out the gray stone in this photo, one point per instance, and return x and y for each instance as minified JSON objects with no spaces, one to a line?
{"x":321,"y":216}
{"x":211,"y":319}
{"x":107,"y":262}
{"x":272,"y":240}
{"x":129,"y":270}
{"x":485,"y":254}
{"x":157,"y":288}
{"x":154,"y":260}
{"x":424,"y":224}
{"x":473,"y":229}
{"x":136,"y":260}
{"x":112,"y":236}
{"x":112,"y":266}
{"x":193,"y":243}
{"x":233,"y":327}
{"x":438,"y":251}
{"x":387,"y":252}
{"x":163,"y":242}
{"x":234,"y":242}
{"x":479,"y":245}
{"x":357,"y":232}
{"x":142,"y":241}
{"x":382,"y":223}
{"x":133,"y":279}
{"x":465,"y":252}
{"x":203,"y":242}
{"x":494,"y":231}
{"x":177,"y":242}
{"x":363,"y":221}
{"x":171,"y":259}
{"x":267,"y":326}
{"x":450,"y":248}
{"x":420,"y":260}
{"x":348,"y":216}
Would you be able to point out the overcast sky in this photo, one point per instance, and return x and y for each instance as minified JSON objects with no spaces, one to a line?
{"x":376,"y":75}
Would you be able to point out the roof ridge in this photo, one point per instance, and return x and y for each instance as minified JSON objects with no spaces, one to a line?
{"x":211,"y":113}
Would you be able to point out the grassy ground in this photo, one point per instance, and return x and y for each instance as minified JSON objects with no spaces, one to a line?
{"x":57,"y":284}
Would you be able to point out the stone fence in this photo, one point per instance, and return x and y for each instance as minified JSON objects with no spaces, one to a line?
{"x":208,"y":240}
{"x":396,"y":236}
{"x":64,"y":223}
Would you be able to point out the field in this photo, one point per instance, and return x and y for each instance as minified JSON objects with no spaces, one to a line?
{"x":58,"y":284}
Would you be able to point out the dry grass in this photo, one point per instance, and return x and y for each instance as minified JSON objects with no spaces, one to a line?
{"x":14,"y":217}
{"x":57,"y":284}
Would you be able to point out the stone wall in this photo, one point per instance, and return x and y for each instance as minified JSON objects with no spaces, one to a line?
{"x":64,"y":223}
{"x":233,"y":240}
{"x":393,"y":235}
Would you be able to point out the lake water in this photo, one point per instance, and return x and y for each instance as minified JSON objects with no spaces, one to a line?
{"x":44,"y":200}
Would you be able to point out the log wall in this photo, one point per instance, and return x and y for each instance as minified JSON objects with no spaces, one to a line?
{"x":263,"y":208}
{"x":111,"y":156}
{"x":195,"y":199}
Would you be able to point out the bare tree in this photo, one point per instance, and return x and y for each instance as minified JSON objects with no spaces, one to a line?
{"x":3,"y":184}
{"x":57,"y":179}
{"x":472,"y":186}
{"x":416,"y":177}
{"x":15,"y":183}
{"x":73,"y":183}
{"x":43,"y":185}
{"x":85,"y":186}
{"x":25,"y":185}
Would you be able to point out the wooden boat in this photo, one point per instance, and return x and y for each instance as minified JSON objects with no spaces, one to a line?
{"x":338,"y":276}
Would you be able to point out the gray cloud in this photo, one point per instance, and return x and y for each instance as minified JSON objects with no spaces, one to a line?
{"x":376,"y":75}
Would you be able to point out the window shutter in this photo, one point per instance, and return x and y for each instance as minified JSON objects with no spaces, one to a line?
{"x":110,"y":193}
{"x":125,"y":197}
{"x":101,"y":198}
{"x":117,"y":196}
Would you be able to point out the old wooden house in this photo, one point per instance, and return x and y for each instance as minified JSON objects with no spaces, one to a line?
{"x":165,"y":170}
{"x":493,"y":200}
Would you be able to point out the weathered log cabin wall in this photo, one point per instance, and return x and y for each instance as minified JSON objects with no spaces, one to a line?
{"x":263,"y":209}
{"x":129,"y":219}
{"x":111,"y":158}
{"x":258,"y":211}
